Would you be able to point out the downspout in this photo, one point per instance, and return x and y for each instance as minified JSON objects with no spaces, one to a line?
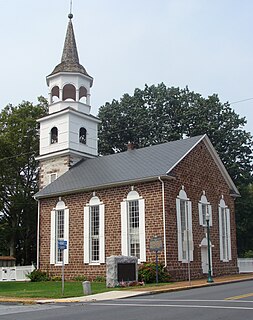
{"x":38,"y":236}
{"x":164,"y":224}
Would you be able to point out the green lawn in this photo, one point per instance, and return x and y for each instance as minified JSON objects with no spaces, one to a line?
{"x":49,"y":289}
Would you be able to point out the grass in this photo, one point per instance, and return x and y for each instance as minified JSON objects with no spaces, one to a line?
{"x":53,"y":289}
{"x":49,"y":289}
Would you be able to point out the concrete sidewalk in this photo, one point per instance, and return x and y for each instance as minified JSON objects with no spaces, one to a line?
{"x":119,"y":294}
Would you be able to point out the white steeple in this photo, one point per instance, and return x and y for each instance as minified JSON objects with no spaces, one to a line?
{"x":69,"y":132}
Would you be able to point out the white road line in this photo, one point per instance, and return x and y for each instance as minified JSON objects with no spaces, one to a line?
{"x":189,"y":300}
{"x":170,"y":306}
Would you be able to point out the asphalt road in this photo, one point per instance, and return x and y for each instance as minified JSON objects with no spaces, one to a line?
{"x":231,"y":301}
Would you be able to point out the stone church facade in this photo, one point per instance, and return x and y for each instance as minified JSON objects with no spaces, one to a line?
{"x":114,"y":205}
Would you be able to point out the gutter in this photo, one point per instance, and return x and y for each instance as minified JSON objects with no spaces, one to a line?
{"x":164,"y":224}
{"x":38,"y":236}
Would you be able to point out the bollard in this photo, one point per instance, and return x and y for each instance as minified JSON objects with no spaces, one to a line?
{"x":86,"y":288}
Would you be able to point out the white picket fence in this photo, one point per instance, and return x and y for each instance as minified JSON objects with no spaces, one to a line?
{"x":15,"y":273}
{"x":245,"y":265}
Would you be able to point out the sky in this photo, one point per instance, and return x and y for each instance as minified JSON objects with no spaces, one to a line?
{"x":205,"y":45}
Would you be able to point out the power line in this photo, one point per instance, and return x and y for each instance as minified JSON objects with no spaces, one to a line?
{"x":241,"y":101}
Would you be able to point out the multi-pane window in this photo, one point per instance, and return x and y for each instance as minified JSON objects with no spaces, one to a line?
{"x":133,"y":239}
{"x":59,"y":225}
{"x":225,"y":237}
{"x":205,"y":209}
{"x":133,"y":228}
{"x":59,"y":231}
{"x":94,"y":239}
{"x":94,"y":233}
{"x":184,"y":226}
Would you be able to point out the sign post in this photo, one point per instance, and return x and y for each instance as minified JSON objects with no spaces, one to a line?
{"x":62,"y":245}
{"x":156,"y":244}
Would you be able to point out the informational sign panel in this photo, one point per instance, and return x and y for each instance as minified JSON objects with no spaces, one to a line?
{"x":156,"y":244}
{"x":62,"y":244}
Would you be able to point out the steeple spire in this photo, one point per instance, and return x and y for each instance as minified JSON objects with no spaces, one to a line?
{"x":70,"y":59}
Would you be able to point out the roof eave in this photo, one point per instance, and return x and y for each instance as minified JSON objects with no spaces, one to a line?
{"x":105,"y":186}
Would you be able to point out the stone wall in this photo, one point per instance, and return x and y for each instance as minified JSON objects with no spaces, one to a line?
{"x":197,"y":172}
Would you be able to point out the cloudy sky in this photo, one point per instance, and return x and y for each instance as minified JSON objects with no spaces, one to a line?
{"x":206,"y":45}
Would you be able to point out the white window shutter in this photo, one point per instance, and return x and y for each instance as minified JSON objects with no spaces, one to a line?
{"x":200,"y":214}
{"x":179,"y":239}
{"x":66,"y":235}
{"x":229,"y":234}
{"x":86,"y":231}
{"x":52,"y":239}
{"x":190,"y":228}
{"x":142,"y":230}
{"x":124,"y":238}
{"x":221,"y":240}
{"x":102,"y":233}
{"x":211,"y":215}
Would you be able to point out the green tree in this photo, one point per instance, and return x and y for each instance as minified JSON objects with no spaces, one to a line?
{"x":159,"y":114}
{"x":19,"y":143}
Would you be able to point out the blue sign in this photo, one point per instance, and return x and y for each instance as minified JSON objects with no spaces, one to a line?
{"x":62,"y":244}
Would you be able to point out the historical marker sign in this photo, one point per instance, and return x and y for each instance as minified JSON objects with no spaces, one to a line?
{"x":156,"y":244}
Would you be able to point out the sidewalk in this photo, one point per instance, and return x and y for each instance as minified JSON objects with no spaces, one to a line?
{"x":111,"y":295}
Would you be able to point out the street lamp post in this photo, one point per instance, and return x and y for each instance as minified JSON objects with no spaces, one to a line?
{"x":209,"y":278}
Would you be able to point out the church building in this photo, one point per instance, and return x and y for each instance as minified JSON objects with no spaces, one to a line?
{"x":114,"y":205}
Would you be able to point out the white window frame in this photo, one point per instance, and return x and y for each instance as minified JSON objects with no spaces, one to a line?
{"x":225,"y":232}
{"x":125,"y":245}
{"x":204,"y":204}
{"x":183,"y":200}
{"x":51,"y":175}
{"x":53,"y":238}
{"x":94,"y":201}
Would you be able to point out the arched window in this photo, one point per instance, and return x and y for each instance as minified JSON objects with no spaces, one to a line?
{"x":82,"y":135}
{"x":204,"y":209}
{"x":82,"y":94}
{"x":59,"y":232}
{"x":184,"y":227}
{"x":133,"y":241}
{"x":54,"y":135}
{"x":69,"y":92}
{"x":55,"y":94}
{"x":94,"y":242}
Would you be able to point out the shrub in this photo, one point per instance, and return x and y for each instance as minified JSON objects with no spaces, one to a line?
{"x":37,"y":275}
{"x":99,"y":279}
{"x":147,"y":273}
{"x":80,"y":278}
{"x":56,"y":278}
{"x":248,"y":254}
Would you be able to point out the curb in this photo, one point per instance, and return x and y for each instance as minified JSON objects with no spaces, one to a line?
{"x":150,"y":292}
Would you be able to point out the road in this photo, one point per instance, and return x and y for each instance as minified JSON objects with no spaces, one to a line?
{"x":231,"y":301}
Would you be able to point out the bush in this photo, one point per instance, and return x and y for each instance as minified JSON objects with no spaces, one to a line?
{"x":248,"y":254}
{"x":100,"y":279}
{"x":38,"y":275}
{"x":80,"y":278}
{"x":147,"y":273}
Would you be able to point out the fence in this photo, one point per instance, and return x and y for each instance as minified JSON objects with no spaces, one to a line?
{"x":245,"y":265}
{"x":15,"y":273}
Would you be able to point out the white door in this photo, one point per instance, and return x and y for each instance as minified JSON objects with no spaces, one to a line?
{"x":204,"y":259}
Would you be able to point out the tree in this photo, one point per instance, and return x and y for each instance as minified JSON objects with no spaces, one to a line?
{"x":19,"y":142}
{"x":159,"y":114}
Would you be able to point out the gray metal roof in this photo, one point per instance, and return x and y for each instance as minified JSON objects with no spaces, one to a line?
{"x":70,"y":59}
{"x":131,"y":165}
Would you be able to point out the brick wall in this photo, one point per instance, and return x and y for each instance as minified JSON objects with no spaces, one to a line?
{"x":197,"y":172}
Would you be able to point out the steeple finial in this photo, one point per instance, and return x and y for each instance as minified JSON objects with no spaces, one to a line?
{"x":70,"y":11}
{"x":70,"y":59}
